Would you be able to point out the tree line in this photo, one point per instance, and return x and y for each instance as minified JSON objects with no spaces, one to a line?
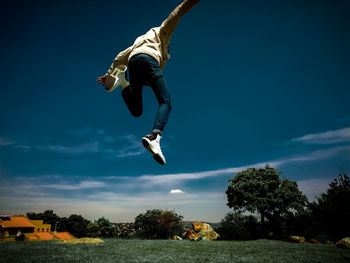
{"x":153,"y":224}
{"x":264,"y":206}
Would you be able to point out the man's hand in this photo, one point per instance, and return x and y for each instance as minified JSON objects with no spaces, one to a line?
{"x":101,"y":81}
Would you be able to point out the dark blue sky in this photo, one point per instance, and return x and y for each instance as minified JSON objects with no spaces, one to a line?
{"x":251,"y":82}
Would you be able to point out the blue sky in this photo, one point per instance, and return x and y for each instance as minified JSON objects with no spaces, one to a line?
{"x":251,"y":83}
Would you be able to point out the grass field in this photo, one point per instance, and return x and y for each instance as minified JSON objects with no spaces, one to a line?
{"x":116,"y":250}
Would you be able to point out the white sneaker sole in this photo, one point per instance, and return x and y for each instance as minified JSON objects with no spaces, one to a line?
{"x":112,"y":82}
{"x":156,"y":156}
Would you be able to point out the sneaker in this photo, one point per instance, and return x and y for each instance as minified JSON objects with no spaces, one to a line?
{"x":152,"y":144}
{"x":115,"y":79}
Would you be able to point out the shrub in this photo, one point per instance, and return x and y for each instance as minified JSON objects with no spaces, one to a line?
{"x":125,"y":230}
{"x":158,"y":224}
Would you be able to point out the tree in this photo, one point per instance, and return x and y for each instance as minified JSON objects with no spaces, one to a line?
{"x":76,"y":225}
{"x":236,"y":226}
{"x":331,"y":210}
{"x":261,"y":190}
{"x":93,"y":229}
{"x":158,"y":224}
{"x":102,"y":227}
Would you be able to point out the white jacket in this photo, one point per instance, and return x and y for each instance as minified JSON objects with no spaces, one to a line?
{"x":156,"y":41}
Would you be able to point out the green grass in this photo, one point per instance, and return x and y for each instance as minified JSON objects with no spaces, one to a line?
{"x":116,"y":250}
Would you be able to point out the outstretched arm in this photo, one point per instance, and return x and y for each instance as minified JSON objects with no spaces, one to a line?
{"x":169,"y":25}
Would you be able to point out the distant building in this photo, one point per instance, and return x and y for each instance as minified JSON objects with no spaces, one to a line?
{"x":11,"y":226}
{"x":40,"y":227}
{"x":33,"y":230}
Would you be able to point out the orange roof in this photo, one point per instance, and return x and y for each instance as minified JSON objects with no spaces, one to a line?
{"x":45,"y":235}
{"x":64,"y":236}
{"x":16,"y":221}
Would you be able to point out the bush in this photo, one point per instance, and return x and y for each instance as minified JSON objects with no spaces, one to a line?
{"x":236,"y":226}
{"x":158,"y":224}
{"x":125,"y":230}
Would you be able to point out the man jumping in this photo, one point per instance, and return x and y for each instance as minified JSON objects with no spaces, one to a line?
{"x":144,"y":61}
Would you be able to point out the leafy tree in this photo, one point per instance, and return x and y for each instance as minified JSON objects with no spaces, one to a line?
{"x":261,"y":190}
{"x":76,"y":225}
{"x":331,"y":210}
{"x":158,"y":224}
{"x":107,"y":229}
{"x":93,"y":229}
{"x":236,"y":226}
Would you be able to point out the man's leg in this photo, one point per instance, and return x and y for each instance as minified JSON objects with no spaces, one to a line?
{"x":132,"y":94}
{"x":158,"y":85}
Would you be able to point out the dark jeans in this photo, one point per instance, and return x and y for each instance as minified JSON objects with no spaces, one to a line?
{"x":144,"y":70}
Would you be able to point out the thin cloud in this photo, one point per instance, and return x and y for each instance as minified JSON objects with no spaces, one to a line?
{"x":82,"y":185}
{"x":133,"y":148}
{"x":312,"y":156}
{"x":345,"y":119}
{"x":329,"y":137}
{"x":88,"y":141}
{"x":33,"y":183}
{"x":92,"y":147}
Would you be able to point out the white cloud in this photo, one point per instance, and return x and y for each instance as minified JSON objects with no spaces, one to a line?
{"x":176,"y":191}
{"x":171,"y":178}
{"x":329,"y":137}
{"x":312,"y":156}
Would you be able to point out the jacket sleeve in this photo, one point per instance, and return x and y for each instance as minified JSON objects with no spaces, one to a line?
{"x":120,"y":60}
{"x":169,"y":25}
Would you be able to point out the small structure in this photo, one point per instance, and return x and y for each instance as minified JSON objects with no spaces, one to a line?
{"x":13,"y":227}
